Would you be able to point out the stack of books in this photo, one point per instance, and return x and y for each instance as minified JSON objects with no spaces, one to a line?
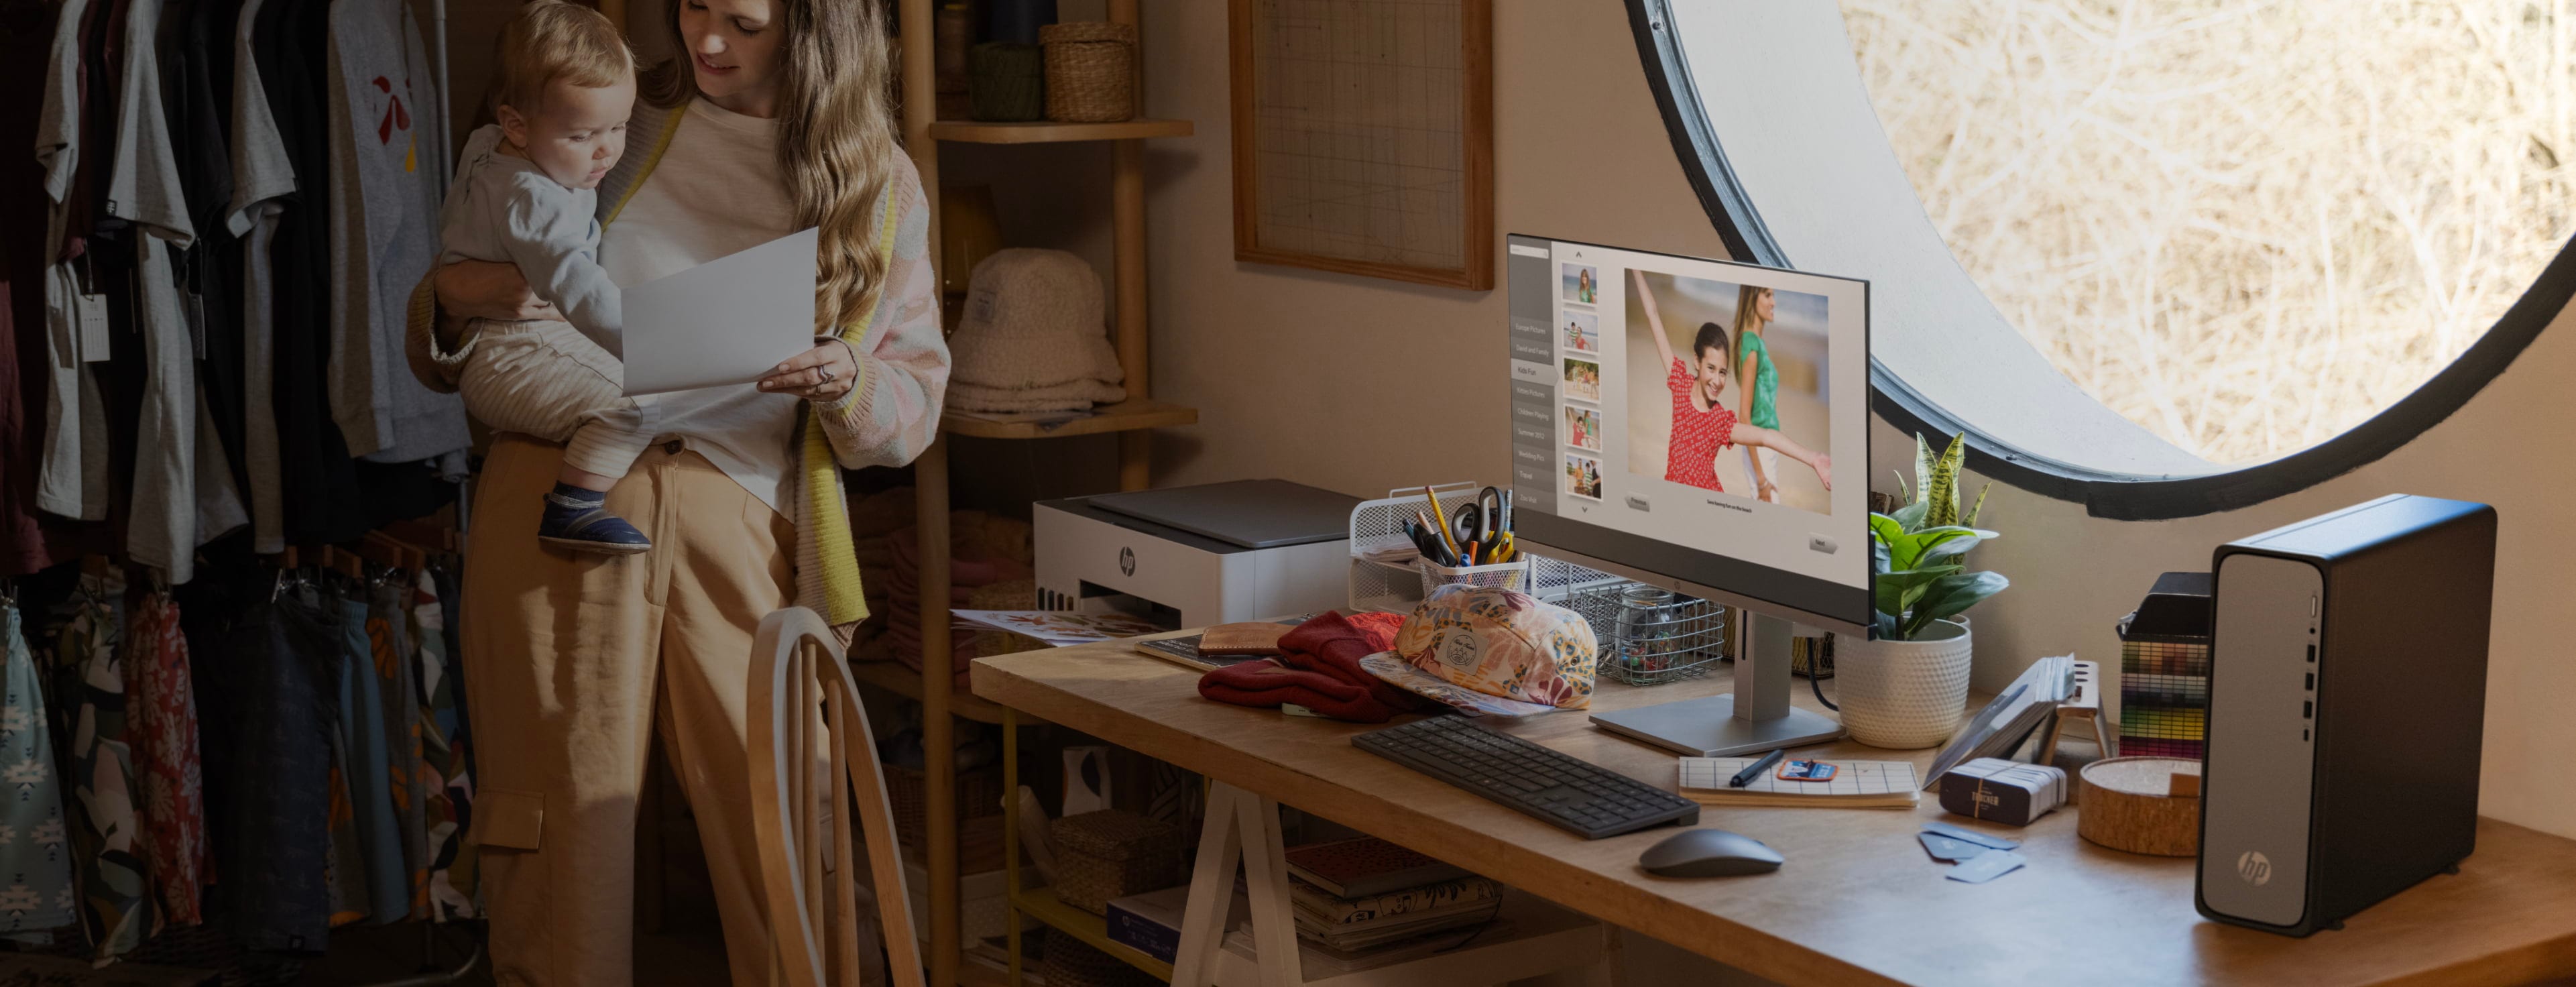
{"x":1361,"y":894}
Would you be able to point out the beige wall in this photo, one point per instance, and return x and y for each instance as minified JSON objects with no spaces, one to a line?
{"x":1320,"y":378}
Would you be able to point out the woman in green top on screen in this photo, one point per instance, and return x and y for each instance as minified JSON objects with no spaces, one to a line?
{"x":1753,"y":312}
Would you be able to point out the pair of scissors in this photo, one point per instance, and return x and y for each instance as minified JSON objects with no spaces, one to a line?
{"x":1480,"y":520}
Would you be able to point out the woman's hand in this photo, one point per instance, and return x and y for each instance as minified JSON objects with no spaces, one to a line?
{"x":823,"y":373}
{"x":484,"y":289}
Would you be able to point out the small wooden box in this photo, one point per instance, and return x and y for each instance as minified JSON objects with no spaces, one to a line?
{"x":2003,"y":791}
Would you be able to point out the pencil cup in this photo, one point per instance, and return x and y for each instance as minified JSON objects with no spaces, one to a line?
{"x":1507,"y":575}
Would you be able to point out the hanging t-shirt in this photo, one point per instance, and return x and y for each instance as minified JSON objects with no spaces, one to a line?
{"x":26,"y":31}
{"x":318,"y":477}
{"x":170,"y":445}
{"x":73,"y":478}
{"x":262,"y":179}
{"x":201,"y":52}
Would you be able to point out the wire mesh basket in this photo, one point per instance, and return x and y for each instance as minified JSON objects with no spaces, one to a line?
{"x":1507,"y":575}
{"x":1650,"y":635}
{"x":1387,"y":574}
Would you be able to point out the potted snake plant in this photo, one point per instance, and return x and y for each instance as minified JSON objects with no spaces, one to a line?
{"x":1907,"y":685}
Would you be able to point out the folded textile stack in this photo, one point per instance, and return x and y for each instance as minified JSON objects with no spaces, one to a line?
{"x":975,"y":565}
{"x":1362,"y":893}
{"x":1318,"y":667}
{"x":1033,"y":337}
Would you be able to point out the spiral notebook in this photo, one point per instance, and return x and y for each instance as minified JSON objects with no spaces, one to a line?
{"x":1856,"y":785}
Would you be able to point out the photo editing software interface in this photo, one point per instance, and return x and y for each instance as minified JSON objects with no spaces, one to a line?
{"x":1716,"y":407}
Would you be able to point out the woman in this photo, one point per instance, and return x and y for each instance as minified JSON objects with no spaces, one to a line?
{"x":774,"y":119}
{"x":1754,"y":309}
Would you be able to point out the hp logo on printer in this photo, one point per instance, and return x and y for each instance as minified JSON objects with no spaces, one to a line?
{"x":2254,"y":867}
{"x":1126,"y":561}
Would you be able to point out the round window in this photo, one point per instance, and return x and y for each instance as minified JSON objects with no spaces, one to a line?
{"x":2164,"y":257}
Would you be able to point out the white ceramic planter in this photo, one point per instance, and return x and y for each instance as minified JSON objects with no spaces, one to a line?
{"x":1904,"y":695}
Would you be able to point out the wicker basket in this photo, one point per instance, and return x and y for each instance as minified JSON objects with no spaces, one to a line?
{"x":979,"y":814}
{"x":1090,"y":71}
{"x":1005,"y":82}
{"x":1070,"y":962}
{"x":1112,"y":854}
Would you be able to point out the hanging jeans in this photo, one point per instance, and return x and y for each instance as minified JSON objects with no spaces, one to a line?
{"x":390,"y":644}
{"x":572,"y":663}
{"x":364,"y":739}
{"x":278,"y":840}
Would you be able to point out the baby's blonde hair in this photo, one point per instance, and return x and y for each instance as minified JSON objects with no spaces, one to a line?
{"x":552,"y":40}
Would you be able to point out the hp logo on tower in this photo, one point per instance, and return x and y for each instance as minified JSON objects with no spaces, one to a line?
{"x":1127,"y":561}
{"x":2254,"y":867}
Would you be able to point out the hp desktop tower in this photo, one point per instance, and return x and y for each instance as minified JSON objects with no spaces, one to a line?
{"x":2348,"y":672}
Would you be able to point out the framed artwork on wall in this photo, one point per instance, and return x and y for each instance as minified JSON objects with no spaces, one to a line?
{"x":1363,"y":137}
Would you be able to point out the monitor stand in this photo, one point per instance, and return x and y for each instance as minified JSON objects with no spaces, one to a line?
{"x":1755,"y":719}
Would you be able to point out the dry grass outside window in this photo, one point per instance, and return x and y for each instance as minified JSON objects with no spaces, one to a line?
{"x":2247,"y":226}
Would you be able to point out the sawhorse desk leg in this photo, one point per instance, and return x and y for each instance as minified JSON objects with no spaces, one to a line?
{"x":1241,"y":827}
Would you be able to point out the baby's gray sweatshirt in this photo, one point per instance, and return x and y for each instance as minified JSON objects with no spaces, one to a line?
{"x":503,"y":208}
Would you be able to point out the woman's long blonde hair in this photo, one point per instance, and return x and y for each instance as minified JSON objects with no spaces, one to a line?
{"x":836,"y":138}
{"x":1748,"y":316}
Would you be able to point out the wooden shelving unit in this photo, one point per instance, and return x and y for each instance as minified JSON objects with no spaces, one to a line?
{"x":1043,"y":132}
{"x":1093,"y":930}
{"x":1121,"y":417}
{"x":1131,"y":420}
{"x":894,"y":678}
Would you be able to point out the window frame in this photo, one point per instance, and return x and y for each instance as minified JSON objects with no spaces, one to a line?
{"x":2104,"y":494}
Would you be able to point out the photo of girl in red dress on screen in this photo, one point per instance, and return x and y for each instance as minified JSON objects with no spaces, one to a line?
{"x":1702,"y":425}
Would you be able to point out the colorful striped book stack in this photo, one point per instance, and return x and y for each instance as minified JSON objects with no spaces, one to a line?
{"x":2164,"y":669}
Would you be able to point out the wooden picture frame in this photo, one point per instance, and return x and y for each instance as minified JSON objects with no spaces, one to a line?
{"x":1405,"y":191}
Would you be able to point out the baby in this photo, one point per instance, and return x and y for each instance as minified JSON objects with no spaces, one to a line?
{"x":525,"y":193}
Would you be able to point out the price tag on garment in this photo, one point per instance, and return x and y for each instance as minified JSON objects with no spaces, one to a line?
{"x":193,"y":307}
{"x":91,"y":311}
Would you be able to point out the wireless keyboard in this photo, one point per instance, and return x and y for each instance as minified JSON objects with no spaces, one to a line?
{"x":1576,"y":795}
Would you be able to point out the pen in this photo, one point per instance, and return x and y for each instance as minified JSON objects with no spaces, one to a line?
{"x":1440,"y":514}
{"x":1436,"y":536}
{"x":1755,"y":769}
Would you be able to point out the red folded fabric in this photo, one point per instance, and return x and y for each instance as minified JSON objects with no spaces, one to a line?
{"x":1319,"y":668}
{"x":1329,"y":644}
{"x":1267,"y":685}
{"x":1379,"y":627}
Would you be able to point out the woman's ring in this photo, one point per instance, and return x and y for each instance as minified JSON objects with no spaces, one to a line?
{"x":827,"y":375}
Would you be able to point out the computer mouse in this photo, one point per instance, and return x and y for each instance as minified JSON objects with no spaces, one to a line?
{"x":1709,"y":853}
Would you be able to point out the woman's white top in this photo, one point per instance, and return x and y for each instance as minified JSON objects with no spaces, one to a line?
{"x":716,"y":191}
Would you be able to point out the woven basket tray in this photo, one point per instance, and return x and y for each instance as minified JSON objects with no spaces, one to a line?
{"x":1070,"y":962}
{"x":1111,"y":854}
{"x":979,"y":814}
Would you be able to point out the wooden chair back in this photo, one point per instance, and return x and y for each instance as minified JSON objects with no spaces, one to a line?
{"x":813,"y":759}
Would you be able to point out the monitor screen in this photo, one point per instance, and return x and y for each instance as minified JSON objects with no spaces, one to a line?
{"x":1704,"y":421}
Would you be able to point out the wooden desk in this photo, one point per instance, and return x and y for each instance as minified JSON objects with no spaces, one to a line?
{"x":1858,"y":902}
